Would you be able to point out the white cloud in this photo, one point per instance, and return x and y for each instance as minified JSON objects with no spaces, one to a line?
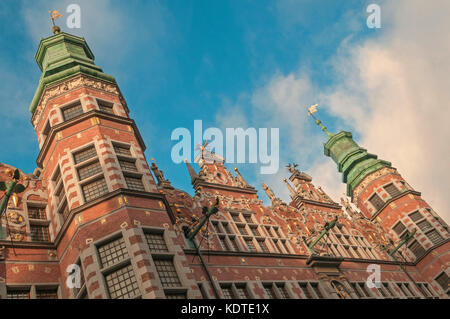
{"x":393,"y":91}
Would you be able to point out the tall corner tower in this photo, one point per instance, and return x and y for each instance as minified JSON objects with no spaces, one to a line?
{"x":381,"y":193}
{"x":102,"y":198}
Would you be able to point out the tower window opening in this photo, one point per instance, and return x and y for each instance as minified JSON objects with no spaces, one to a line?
{"x":72,"y":111}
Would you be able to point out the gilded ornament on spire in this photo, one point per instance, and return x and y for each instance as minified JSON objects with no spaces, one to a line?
{"x":313,"y":109}
{"x":55,"y":14}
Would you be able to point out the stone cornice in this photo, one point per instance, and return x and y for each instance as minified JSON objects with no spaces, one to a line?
{"x":61,"y":126}
{"x":117,"y":192}
{"x":200,"y":182}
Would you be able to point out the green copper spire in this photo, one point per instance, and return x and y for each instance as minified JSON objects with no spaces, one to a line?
{"x":354,"y":162}
{"x":62,"y":56}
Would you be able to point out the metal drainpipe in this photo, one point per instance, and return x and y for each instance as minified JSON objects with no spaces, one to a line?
{"x":194,"y":242}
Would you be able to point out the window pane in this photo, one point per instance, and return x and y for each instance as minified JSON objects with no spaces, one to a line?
{"x":73,"y":111}
{"x":156,"y":242}
{"x":392,"y":190}
{"x":134,"y":183}
{"x":416,"y":216}
{"x":105,"y":107}
{"x":122,"y":150}
{"x":233,"y":243}
{"x":227,"y":292}
{"x":167,"y":273}
{"x":222,"y":243}
{"x":17,"y":293}
{"x":283,"y":291}
{"x":304,"y":287}
{"x":424,"y":225}
{"x":44,"y":293}
{"x":176,"y":295}
{"x":443,"y":281}
{"x":269,"y":291}
{"x":36,"y":212}
{"x":94,"y":189}
{"x":39,"y":233}
{"x":242,"y":292}
{"x":250,"y":245}
{"x":122,"y":283}
{"x":85,"y":155}
{"x":435,"y":237}
{"x":89,"y":170}
{"x":399,"y":228}
{"x":112,"y":252}
{"x":376,"y":201}
{"x":315,"y":286}
{"x":127,"y":165}
{"x":417,"y":249}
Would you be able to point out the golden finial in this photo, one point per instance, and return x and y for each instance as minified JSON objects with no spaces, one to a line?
{"x":55,"y":14}
{"x":313,"y":109}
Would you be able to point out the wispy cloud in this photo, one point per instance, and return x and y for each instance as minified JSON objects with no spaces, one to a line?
{"x":392,"y":90}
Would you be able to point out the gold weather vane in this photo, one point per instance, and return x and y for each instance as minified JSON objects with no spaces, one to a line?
{"x":313,"y":109}
{"x":55,"y":14}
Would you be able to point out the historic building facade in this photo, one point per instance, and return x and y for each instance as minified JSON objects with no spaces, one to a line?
{"x":94,"y":201}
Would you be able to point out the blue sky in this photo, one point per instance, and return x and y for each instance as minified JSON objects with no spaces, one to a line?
{"x":224,"y":62}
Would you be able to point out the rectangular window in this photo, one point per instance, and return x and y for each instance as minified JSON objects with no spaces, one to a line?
{"x":399,"y":228}
{"x":388,"y":289}
{"x":263,"y":246}
{"x":417,"y":249}
{"x":156,"y":242}
{"x":94,"y":189}
{"x":269,"y":291}
{"x":84,"y":155}
{"x":248,"y":218}
{"x":254,"y":231}
{"x":175,"y":295}
{"x":376,"y":201}
{"x":283,"y":291}
{"x":364,"y":290}
{"x":227,"y":228}
{"x":105,"y":106}
{"x":355,"y":288}
{"x":122,"y":283}
{"x":435,"y":237}
{"x":233,"y":243}
{"x":134,"y":183}
{"x":392,"y":190}
{"x":167,"y":273}
{"x":227,"y":291}
{"x":89,"y":170}
{"x":37,"y":212}
{"x":112,"y":252}
{"x":222,"y":242}
{"x":127,"y":165}
{"x":316,"y":288}
{"x":242,"y":230}
{"x":242,"y":292}
{"x":72,"y":111}
{"x":416,"y":216}
{"x":17,"y":293}
{"x":306,"y":292}
{"x":122,"y":150}
{"x":443,"y":281}
{"x":250,"y":245}
{"x":39,"y":233}
{"x":424,"y":225}
{"x":236,"y":218}
{"x":46,"y":293}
